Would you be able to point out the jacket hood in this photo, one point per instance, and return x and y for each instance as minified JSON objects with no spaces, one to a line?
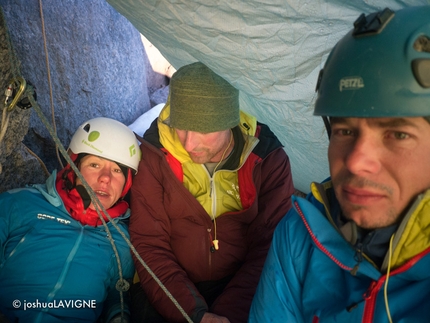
{"x":49,"y":191}
{"x":410,"y":239}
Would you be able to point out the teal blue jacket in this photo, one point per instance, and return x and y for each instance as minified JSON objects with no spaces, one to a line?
{"x":53,"y":268}
{"x":313,"y":275}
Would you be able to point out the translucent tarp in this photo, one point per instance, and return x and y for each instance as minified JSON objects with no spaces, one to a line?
{"x":271,"y":50}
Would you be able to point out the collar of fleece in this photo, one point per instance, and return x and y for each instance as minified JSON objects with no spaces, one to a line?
{"x":66,"y":188}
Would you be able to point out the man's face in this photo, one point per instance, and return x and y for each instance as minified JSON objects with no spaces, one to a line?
{"x":205,"y":147}
{"x":105,"y":177}
{"x":378,"y":166}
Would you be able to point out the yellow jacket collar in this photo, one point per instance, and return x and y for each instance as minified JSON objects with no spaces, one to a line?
{"x":170,"y":140}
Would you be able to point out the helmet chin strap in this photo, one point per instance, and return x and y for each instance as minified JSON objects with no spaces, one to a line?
{"x":128,"y":180}
{"x":327,"y":126}
{"x":86,"y":199}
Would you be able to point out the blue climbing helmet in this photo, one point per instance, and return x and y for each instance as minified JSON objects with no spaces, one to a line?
{"x":381,"y":68}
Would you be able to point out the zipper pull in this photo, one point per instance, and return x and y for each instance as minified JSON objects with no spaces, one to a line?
{"x":213,"y":248}
{"x":358,"y":257}
{"x":369,"y":293}
{"x":216,"y":245}
{"x":359,"y":252}
{"x":355,"y":270}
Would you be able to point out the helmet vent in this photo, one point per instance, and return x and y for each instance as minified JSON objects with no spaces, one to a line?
{"x":421,"y":69}
{"x":421,"y":66}
{"x":422,"y":44}
{"x":87,"y":127}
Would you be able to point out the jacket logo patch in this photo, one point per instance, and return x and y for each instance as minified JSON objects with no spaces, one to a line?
{"x":351,"y":83}
{"x":42,"y":216}
{"x":234,"y":191}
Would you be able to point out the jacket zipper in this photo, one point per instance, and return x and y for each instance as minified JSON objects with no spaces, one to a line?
{"x":370,"y":300}
{"x":319,"y":245}
{"x":212,"y":192}
{"x":209,"y":230}
{"x":212,"y":195}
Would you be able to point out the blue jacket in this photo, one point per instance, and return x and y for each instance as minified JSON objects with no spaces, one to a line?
{"x":52,"y":268}
{"x":312,"y":274}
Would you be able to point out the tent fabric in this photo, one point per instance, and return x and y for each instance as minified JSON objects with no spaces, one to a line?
{"x":271,"y":50}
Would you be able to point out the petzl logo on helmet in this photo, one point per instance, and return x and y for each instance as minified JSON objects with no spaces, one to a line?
{"x":132,"y":150}
{"x":351,"y":83}
{"x":93,"y":136}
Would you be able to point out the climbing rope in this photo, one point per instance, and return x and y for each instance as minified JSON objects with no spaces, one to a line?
{"x":39,"y":160}
{"x":4,"y":125}
{"x":48,"y":72}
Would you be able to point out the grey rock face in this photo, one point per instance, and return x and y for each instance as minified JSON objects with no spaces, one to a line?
{"x":160,"y":95}
{"x":97,"y":68}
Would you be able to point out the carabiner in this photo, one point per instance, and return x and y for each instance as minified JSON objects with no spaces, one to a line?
{"x":13,"y":84}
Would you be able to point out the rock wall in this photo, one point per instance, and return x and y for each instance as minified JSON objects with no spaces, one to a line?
{"x":98,"y":67}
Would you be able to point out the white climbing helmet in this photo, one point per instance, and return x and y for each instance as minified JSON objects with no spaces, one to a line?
{"x":107,"y":138}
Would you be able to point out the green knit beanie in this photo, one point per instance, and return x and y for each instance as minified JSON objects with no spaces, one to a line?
{"x":202,"y":101}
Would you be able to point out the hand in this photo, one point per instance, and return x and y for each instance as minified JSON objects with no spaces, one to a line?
{"x":213,"y":318}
